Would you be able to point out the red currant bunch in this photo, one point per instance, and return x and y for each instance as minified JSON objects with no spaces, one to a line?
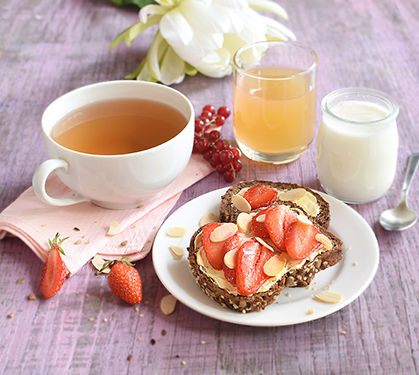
{"x":219,"y":153}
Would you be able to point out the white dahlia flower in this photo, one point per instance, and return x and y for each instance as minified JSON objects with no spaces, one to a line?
{"x":201,"y":36}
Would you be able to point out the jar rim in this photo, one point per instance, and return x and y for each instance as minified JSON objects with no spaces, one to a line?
{"x":365,"y":93}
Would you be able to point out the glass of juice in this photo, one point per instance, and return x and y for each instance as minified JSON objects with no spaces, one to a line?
{"x":274,"y":100}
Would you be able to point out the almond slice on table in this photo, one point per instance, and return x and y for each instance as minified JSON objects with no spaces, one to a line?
{"x":208,"y":218}
{"x":177,"y":250}
{"x":292,"y":195}
{"x":177,"y":232}
{"x":274,"y":265}
{"x":168,"y":304}
{"x":241,"y":204}
{"x":114,"y":228}
{"x":223,"y":232}
{"x":328,"y":297}
{"x":230,"y":259}
{"x":98,"y":263}
{"x":244,"y":221}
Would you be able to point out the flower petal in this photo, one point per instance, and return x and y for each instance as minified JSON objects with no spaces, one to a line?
{"x":203,"y":17}
{"x":151,"y":9}
{"x":176,"y":29}
{"x":277,"y":30}
{"x":234,"y":4}
{"x":219,"y":69}
{"x":172,"y":68}
{"x":155,"y":53}
{"x":269,"y":6}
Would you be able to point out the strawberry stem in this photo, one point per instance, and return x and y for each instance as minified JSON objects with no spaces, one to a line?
{"x":56,"y":242}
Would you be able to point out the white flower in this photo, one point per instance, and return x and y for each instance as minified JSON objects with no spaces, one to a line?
{"x":201,"y":36}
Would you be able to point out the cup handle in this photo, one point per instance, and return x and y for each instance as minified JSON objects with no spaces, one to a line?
{"x":39,"y":180}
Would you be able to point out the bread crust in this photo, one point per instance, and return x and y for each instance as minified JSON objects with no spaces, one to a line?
{"x":229,"y":213}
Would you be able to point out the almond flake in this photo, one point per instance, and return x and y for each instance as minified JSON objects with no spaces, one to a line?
{"x":261,"y":218}
{"x":177,"y":250}
{"x":168,"y":304}
{"x":274,"y":265}
{"x":263,"y":243}
{"x":244,"y":221}
{"x":114,"y":228}
{"x":304,"y":219}
{"x":223,"y":232}
{"x":230,"y":258}
{"x":241,"y":204}
{"x":208,"y":219}
{"x":98,"y":263}
{"x":325,"y":241}
{"x":177,"y":232}
{"x":328,"y":297}
{"x":292,"y":195}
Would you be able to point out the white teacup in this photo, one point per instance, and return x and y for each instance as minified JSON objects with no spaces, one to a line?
{"x":114,"y":181}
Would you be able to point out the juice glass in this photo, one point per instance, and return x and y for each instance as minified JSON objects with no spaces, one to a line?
{"x":274,"y":100}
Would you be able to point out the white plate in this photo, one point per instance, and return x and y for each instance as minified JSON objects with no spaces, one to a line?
{"x":349,"y":278}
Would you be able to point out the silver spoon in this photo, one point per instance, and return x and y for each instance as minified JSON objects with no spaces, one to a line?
{"x":402,"y":217}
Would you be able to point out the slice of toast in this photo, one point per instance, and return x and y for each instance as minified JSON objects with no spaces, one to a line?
{"x":313,"y":205}
{"x":233,"y":301}
{"x":298,"y":273}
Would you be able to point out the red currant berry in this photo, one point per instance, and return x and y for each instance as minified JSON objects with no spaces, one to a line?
{"x":209,"y":108}
{"x":205,"y":120}
{"x":226,"y":157}
{"x":222,"y":144}
{"x":203,"y":145}
{"x":206,"y":114}
{"x":224,"y":111}
{"x":221,"y":168}
{"x":237,"y":165}
{"x":229,"y":175}
{"x":214,"y":135}
{"x":199,"y":125}
{"x":208,"y":155}
{"x":220,"y":120}
{"x":236,"y":152}
{"x":216,"y":156}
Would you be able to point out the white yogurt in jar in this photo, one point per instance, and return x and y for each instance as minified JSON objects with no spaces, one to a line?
{"x":357,"y":144}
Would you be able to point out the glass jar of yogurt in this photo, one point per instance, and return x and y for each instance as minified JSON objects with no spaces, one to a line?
{"x":357,"y":144}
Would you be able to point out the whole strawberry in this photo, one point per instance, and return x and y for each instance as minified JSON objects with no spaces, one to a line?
{"x":125,"y":282}
{"x":54,"y":271}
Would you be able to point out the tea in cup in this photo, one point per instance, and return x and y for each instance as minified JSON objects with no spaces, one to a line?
{"x":274,"y":109}
{"x":116,"y":143}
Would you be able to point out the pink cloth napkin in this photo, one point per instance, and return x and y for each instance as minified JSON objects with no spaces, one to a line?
{"x":87,"y":224}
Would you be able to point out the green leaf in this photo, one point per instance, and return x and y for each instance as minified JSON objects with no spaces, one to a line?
{"x":139,"y":3}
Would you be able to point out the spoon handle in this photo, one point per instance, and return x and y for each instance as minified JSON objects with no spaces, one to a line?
{"x":410,"y":172}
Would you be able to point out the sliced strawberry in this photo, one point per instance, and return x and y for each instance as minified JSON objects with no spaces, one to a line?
{"x":277,"y":221}
{"x":260,"y":196}
{"x":300,"y":240}
{"x":54,"y":272}
{"x":258,"y":227}
{"x":233,"y":243}
{"x":213,"y":250}
{"x":251,"y":258}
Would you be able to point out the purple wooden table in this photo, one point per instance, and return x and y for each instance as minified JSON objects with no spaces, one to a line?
{"x":48,"y":48}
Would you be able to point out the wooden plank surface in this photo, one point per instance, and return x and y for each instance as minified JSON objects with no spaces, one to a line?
{"x":48,"y":48}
